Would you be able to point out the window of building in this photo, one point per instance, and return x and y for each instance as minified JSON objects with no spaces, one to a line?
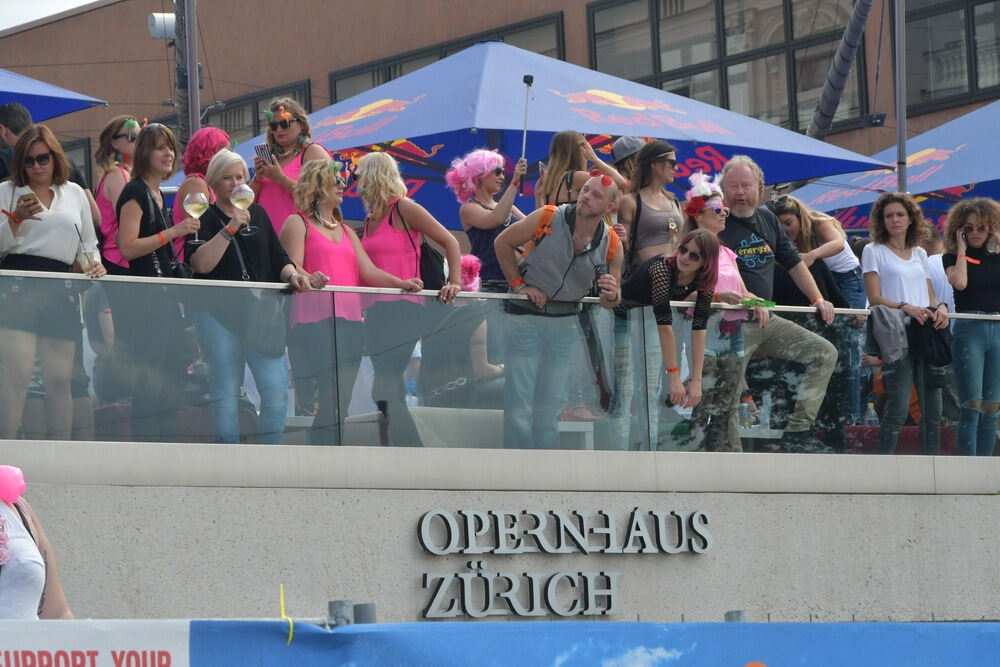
{"x":952,"y":52}
{"x":543,"y":35}
{"x":78,"y":151}
{"x":765,"y":58}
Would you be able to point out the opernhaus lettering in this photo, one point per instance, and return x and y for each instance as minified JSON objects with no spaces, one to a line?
{"x":483,"y":591}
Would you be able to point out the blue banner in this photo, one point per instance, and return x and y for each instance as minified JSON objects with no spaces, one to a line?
{"x":609,"y":644}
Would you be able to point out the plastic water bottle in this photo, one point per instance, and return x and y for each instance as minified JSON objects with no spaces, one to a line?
{"x":743,"y":416}
{"x":764,"y":416}
{"x":871,"y":417}
{"x":411,"y":394}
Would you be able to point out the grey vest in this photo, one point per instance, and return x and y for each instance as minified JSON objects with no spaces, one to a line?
{"x":553,"y":267}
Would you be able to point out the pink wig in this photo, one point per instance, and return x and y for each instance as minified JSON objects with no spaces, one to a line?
{"x":470,"y":273}
{"x":466,"y":172}
{"x":204,"y":144}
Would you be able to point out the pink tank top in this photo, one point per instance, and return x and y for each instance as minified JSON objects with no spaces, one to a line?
{"x":338,"y":261}
{"x":729,"y":280}
{"x":109,"y":223}
{"x":276,"y":200}
{"x":394,"y":251}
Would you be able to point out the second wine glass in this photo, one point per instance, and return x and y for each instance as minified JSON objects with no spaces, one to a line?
{"x":241,"y":197}
{"x":195,"y":204}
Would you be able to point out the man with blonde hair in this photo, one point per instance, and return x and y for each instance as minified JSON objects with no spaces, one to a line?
{"x":755,"y":235}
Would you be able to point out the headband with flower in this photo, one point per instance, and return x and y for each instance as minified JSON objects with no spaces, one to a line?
{"x":702,"y":189}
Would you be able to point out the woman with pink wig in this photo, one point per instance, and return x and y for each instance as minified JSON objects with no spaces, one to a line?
{"x":476,"y":179}
{"x":202,"y":147}
{"x":454,"y":369}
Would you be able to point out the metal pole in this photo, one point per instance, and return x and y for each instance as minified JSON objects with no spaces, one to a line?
{"x":191,"y":47}
{"x":900,"y":57}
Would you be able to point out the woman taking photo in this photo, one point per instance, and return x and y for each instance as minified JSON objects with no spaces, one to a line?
{"x":223,"y":324}
{"x":569,"y":153}
{"x":290,"y":146}
{"x":46,"y":226}
{"x":974,"y":271}
{"x":151,"y":329}
{"x":897,"y":276}
{"x":114,"y":157}
{"x":393,"y":229}
{"x":317,"y":240}
{"x":29,"y":575}
{"x":657,"y":281}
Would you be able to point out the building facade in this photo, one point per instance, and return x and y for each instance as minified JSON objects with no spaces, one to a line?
{"x":763,"y":58}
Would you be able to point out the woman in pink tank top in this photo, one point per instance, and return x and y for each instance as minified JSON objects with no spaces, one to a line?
{"x":116,"y":146}
{"x":316,"y":239}
{"x":706,"y":209}
{"x":392,"y":237}
{"x":290,"y":146}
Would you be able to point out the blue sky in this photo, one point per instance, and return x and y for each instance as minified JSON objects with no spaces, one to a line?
{"x":15,"y":13}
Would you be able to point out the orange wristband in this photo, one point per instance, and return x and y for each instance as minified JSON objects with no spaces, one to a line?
{"x":970,"y":260}
{"x":163,"y":239}
{"x":673,"y":370}
{"x":818,"y":299}
{"x":516,"y":282}
{"x":231,"y":230}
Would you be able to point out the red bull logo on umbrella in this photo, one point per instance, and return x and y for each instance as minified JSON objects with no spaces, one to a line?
{"x":376,"y":108}
{"x":638,"y":111}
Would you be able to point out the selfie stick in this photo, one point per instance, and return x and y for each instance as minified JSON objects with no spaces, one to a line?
{"x":528,"y":80}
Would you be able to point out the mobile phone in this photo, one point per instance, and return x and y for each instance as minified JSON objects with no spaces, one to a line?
{"x":29,"y":197}
{"x":541,"y":168}
{"x":264,"y":153}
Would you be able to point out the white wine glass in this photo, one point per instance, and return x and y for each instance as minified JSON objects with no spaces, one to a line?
{"x":195,"y":204}
{"x":241,"y":197}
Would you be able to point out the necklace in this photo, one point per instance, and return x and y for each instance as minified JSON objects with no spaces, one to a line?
{"x":329,"y":224}
{"x":486,"y":206}
{"x":891,"y":245}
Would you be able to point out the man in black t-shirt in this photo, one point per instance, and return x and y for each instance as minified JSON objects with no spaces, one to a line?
{"x":756,"y":237}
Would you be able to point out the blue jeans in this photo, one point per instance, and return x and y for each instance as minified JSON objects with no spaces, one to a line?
{"x":852,"y":286}
{"x":226,"y":356}
{"x":976,"y":354}
{"x":899,"y":377}
{"x":539,"y":355}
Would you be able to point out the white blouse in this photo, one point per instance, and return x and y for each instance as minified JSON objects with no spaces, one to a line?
{"x":22,"y":577}
{"x":57,"y":233}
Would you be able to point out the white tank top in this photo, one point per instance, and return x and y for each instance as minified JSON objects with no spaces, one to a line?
{"x":22,"y":577}
{"x":843,"y":261}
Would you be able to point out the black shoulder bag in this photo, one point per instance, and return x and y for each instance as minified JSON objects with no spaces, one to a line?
{"x":431,"y":266}
{"x":266,"y":329}
{"x":177,"y":268}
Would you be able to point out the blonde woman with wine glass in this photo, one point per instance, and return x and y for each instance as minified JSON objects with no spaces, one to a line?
{"x":230,"y":254}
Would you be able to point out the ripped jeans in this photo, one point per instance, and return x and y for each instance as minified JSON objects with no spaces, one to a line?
{"x":976,"y":358}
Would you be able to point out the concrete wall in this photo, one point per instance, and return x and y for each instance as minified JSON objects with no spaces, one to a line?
{"x":210,"y":531}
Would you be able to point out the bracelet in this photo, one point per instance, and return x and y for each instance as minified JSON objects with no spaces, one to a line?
{"x":226,"y":234}
{"x":673,"y":370}
{"x":970,"y":260}
{"x":941,"y":303}
{"x":900,"y":305}
{"x":10,"y":216}
{"x":517,"y":290}
{"x":231,"y":231}
{"x":517,"y":282}
{"x":818,"y":299}
{"x":163,"y":239}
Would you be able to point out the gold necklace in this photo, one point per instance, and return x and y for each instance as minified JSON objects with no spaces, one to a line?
{"x":329,"y":224}
{"x":889,"y":243}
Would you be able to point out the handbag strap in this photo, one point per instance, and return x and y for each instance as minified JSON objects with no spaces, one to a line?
{"x":239,"y":255}
{"x":163,"y":227}
{"x":406,"y":228}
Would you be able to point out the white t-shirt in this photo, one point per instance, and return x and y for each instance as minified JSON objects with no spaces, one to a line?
{"x":57,"y":233}
{"x":900,"y":280}
{"x":843,"y":261}
{"x":939,"y":281}
{"x":22,"y":577}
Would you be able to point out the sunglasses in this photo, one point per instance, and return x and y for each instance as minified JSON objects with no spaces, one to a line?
{"x":781,"y":204}
{"x":664,"y":158}
{"x":718,"y":209}
{"x":284,"y":124}
{"x":977,"y":230}
{"x":131,"y":136}
{"x":41,"y":159}
{"x":692,"y":255}
{"x":498,"y":172}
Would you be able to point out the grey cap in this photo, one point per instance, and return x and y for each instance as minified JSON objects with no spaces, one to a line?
{"x":626,"y":146}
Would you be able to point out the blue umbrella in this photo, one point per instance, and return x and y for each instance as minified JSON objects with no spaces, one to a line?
{"x":475,"y":98}
{"x":954,"y":160}
{"x":42,"y":99}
